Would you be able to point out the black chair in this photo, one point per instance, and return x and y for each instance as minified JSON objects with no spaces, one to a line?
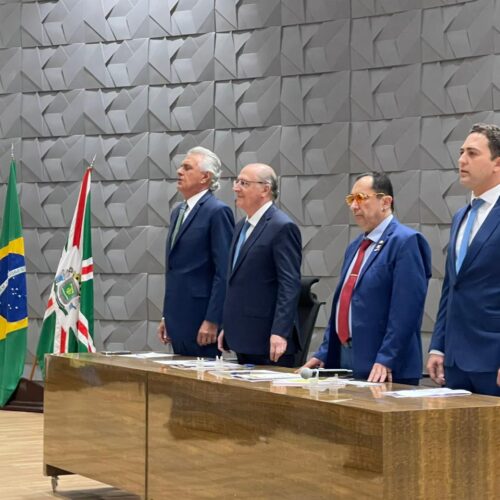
{"x":308,"y":312}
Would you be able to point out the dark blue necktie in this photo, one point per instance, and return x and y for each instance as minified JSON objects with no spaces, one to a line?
{"x":464,"y":245}
{"x":241,"y":240}
{"x":178,"y":223}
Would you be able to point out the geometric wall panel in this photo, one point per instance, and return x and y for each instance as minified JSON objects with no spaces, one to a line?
{"x":254,"y":145}
{"x":246,"y":14}
{"x":247,"y":103}
{"x":364,"y":8}
{"x":315,"y":149}
{"x":457,"y":31}
{"x":116,"y":111}
{"x":324,"y":249}
{"x":385,"y":93}
{"x":406,"y":195}
{"x":10,"y":115}
{"x":386,"y":40}
{"x":119,"y":157}
{"x":118,"y":297}
{"x":247,"y":54}
{"x":181,"y":17}
{"x":316,"y":201}
{"x":181,"y":107}
{"x":315,"y":99}
{"x":10,"y":61}
{"x":70,"y":21}
{"x":310,"y":11}
{"x":388,"y":145}
{"x":315,"y":48}
{"x":457,"y":86}
{"x":182,"y":60}
{"x":120,"y":204}
{"x":10,"y":34}
{"x":52,"y":159}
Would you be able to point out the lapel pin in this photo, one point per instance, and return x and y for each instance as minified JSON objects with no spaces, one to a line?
{"x":378,"y":246}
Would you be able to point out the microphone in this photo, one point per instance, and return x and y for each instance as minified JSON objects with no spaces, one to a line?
{"x":323,"y":372}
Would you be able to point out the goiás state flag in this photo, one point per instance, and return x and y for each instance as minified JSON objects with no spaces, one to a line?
{"x":68,"y":323}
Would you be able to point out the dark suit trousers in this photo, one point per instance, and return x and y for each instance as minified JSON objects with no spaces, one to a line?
{"x":479,"y":383}
{"x":286,"y":360}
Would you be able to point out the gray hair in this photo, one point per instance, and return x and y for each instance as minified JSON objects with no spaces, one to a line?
{"x":269,"y":175}
{"x":210,"y":163}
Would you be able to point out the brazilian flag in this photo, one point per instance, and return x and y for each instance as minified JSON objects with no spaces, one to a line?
{"x":13,"y":297}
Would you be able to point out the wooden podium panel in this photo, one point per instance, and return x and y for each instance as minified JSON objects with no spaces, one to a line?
{"x":200,"y":436}
{"x":95,"y":422}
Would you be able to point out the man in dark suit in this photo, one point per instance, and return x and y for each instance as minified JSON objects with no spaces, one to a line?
{"x":377,"y":309}
{"x":197,"y":253}
{"x":260,"y":311}
{"x":465,"y":346}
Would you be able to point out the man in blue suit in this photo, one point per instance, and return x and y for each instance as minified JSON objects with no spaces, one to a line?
{"x":197,"y":253}
{"x":377,"y":309}
{"x":465,"y":346}
{"x":260,"y":312}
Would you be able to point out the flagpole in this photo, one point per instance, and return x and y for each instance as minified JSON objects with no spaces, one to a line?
{"x":35,"y":364}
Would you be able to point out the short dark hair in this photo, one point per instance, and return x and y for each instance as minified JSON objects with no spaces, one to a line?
{"x":492,"y":133}
{"x":381,"y":184}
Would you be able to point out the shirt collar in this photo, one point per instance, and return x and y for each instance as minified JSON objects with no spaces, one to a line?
{"x":191,"y":202}
{"x":491,"y":196}
{"x":254,"y":220}
{"x":377,"y":233}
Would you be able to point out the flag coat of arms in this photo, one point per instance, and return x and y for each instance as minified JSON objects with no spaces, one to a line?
{"x":68,"y":323}
{"x":13,"y":298}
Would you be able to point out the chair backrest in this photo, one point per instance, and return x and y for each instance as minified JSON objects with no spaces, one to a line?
{"x":308,"y":309}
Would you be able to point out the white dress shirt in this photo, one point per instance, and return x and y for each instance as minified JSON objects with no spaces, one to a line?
{"x":254,"y":220}
{"x":191,"y":202}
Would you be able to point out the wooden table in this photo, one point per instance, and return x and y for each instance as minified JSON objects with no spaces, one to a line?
{"x":161,"y":433}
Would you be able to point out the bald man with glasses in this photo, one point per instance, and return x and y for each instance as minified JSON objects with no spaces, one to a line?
{"x":377,"y":309}
{"x":260,"y":320}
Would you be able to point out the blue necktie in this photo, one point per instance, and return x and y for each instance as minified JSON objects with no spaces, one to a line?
{"x":464,"y":245}
{"x":241,"y":240}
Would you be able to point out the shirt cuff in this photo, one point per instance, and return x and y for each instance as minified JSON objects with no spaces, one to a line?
{"x":435,"y":351}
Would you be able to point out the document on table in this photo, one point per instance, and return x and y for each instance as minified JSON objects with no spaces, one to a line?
{"x":148,"y":355}
{"x":260,"y":375}
{"x":195,"y":364}
{"x":362,"y":383}
{"x":310,"y":383}
{"x":438,"y":392}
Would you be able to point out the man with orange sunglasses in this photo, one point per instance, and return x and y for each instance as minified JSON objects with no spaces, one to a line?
{"x":377,"y":309}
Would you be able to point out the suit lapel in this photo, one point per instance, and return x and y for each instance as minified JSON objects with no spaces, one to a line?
{"x":378,"y":248}
{"x":253,"y":237}
{"x":189,"y":219}
{"x":485,"y":231}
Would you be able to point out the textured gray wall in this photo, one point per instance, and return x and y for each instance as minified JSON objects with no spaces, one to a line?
{"x":320,"y":89}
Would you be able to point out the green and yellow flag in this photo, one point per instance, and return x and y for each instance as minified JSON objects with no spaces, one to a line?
{"x":13,"y":296}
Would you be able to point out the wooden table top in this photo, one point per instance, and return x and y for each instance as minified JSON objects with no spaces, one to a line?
{"x":366,"y":398}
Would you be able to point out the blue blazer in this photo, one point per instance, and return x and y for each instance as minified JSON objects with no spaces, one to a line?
{"x":387,"y":305}
{"x":264,"y":286}
{"x":467,"y":327}
{"x":196,"y":268}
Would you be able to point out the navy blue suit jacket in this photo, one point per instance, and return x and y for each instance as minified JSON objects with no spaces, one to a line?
{"x":264,"y":286}
{"x":467,"y":327}
{"x":196,"y":268}
{"x":386,"y":307}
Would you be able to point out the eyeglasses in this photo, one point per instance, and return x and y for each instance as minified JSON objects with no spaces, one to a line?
{"x":244,"y":184}
{"x":359,"y":197}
